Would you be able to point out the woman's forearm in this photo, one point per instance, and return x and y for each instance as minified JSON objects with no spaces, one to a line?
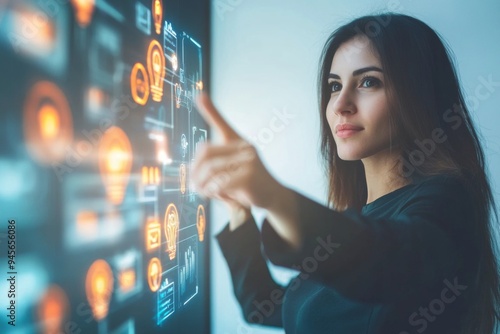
{"x":283,"y":215}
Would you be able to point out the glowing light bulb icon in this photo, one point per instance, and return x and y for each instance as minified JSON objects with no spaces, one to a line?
{"x":156,"y":69}
{"x":201,"y":222}
{"x":84,"y":9}
{"x":157,"y":14}
{"x":48,"y":124}
{"x":52,"y":309}
{"x":154,"y":274}
{"x":171,"y":230}
{"x":115,"y":163}
{"x":99,"y":288}
{"x":139,"y":84}
{"x":183,"y":178}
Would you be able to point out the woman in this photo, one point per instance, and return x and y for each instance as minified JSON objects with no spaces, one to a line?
{"x":407,"y":246}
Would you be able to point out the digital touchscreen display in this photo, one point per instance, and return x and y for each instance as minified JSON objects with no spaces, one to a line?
{"x":102,"y":231}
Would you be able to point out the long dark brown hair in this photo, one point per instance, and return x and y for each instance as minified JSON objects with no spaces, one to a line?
{"x":424,"y":96}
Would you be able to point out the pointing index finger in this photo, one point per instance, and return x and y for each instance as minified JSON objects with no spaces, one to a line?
{"x":214,"y":118}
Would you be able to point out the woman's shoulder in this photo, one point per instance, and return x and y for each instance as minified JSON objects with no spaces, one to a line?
{"x":444,"y":183}
{"x":441,"y":193}
{"x":424,"y":192}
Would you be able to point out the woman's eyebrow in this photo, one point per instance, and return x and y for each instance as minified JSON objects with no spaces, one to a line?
{"x":357,"y":72}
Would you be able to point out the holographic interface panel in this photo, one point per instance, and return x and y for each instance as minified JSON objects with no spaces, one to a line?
{"x":98,"y":129}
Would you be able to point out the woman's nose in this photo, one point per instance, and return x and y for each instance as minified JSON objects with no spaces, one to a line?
{"x":344,"y":103}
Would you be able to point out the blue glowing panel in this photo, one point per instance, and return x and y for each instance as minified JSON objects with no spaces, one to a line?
{"x":98,"y":129}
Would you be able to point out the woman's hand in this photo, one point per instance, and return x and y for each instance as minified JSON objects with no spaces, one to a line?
{"x":231,"y":171}
{"x":234,"y":173}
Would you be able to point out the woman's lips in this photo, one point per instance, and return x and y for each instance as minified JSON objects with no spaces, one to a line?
{"x":347,"y":133}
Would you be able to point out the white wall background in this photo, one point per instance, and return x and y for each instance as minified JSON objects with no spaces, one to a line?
{"x":264,"y":61}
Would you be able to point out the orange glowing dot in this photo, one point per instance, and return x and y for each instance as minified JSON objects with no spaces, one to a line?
{"x":99,"y":288}
{"x":96,"y":99}
{"x":96,"y":95}
{"x":49,"y":122}
{"x":84,"y":10}
{"x":52,"y":309}
{"x":126,"y":280}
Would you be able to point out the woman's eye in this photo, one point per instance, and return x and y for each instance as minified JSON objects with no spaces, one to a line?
{"x":334,"y":86}
{"x":370,"y":82}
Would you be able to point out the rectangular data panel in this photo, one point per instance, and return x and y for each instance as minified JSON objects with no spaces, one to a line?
{"x":98,"y":130}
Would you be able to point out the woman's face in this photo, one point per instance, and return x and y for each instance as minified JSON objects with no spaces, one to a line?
{"x":358,"y":100}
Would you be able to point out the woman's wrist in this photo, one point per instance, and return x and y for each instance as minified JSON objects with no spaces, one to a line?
{"x":280,"y":198}
{"x":283,"y":215}
{"x":238,"y":215}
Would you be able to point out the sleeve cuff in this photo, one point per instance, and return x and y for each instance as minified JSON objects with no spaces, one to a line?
{"x":240,"y":241}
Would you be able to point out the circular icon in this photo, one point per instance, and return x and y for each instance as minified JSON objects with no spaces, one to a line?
{"x":201,"y":222}
{"x":154,"y":274}
{"x":171,"y":229}
{"x":48,"y":125}
{"x":139,"y":84}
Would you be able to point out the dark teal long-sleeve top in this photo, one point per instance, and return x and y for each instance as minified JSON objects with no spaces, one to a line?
{"x":404,"y":264}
